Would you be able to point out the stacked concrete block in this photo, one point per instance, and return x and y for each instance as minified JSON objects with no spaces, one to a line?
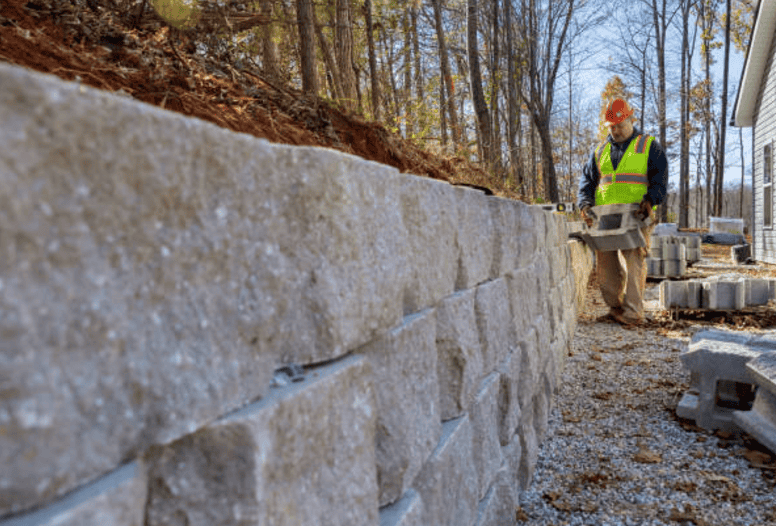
{"x":717,"y":294}
{"x":179,"y":266}
{"x":760,"y":422}
{"x":670,"y":255}
{"x":720,"y":383}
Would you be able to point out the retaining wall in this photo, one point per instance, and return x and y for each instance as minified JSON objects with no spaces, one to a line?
{"x":156,"y":272}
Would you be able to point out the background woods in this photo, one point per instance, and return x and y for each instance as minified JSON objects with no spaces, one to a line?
{"x":514,"y":86}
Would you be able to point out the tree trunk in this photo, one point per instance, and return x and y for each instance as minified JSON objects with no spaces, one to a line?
{"x":495,"y":136}
{"x":418,"y":77}
{"x":269,"y":55}
{"x":723,"y":121}
{"x":333,"y":73}
{"x":683,"y":135}
{"x":447,"y":78}
{"x":478,"y":96}
{"x":513,"y":107}
{"x":660,"y":22}
{"x":304,"y":17}
{"x":372,"y":60}
{"x":343,"y":52}
{"x":407,"y":89}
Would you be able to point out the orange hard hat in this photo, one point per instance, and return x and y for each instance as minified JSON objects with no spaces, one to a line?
{"x":617,"y":111}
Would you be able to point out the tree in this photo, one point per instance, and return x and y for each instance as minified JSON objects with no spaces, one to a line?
{"x":447,"y":91}
{"x":344,"y":53}
{"x":720,"y":174}
{"x":375,"y":85}
{"x":478,"y":96}
{"x":306,"y":24}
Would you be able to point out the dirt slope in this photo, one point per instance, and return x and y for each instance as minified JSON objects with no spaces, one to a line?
{"x":149,"y":62}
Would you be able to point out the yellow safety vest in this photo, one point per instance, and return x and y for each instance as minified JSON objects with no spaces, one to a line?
{"x":628,"y":183}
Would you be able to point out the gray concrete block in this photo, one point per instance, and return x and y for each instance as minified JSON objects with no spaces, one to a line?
{"x":724,"y":295}
{"x":507,"y":235}
{"x":529,"y":448}
{"x":430,"y":216}
{"x":615,"y":228}
{"x":497,"y":508}
{"x":486,"y":447}
{"x":523,"y":289}
{"x":475,"y":238}
{"x":513,"y":453}
{"x":509,"y":396}
{"x":719,"y":378}
{"x":407,"y":511}
{"x":118,"y":499}
{"x":655,"y":267}
{"x":459,"y":354}
{"x":303,"y":455}
{"x":760,"y":422}
{"x":530,"y":367}
{"x":674,"y":267}
{"x":448,"y":481}
{"x":760,"y":291}
{"x":407,"y":393}
{"x":494,"y":321}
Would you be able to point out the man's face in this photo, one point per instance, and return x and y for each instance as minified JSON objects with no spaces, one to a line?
{"x":622,"y":131}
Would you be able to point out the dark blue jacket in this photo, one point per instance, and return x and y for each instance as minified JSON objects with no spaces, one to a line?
{"x":657,"y":172}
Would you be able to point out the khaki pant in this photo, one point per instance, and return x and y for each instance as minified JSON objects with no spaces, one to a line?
{"x":622,"y":277}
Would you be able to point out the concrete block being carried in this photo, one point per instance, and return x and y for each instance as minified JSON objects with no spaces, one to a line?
{"x":615,"y":227}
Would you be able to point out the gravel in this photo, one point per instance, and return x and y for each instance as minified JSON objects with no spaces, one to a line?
{"x":616,"y":454}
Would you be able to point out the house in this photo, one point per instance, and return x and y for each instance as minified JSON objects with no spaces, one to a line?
{"x":756,"y":107}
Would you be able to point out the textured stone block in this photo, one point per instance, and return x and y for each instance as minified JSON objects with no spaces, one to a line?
{"x":581,"y":257}
{"x":160,"y":267}
{"x":486,"y":448}
{"x":407,"y":511}
{"x":459,"y":354}
{"x":524,"y":298}
{"x":476,"y":238}
{"x":429,"y":213}
{"x":497,"y":508}
{"x":448,"y":481}
{"x":530,"y":367}
{"x":117,"y":499}
{"x":509,"y":396}
{"x":513,"y":455}
{"x":494,"y":321}
{"x":303,"y":455}
{"x":407,"y":393}
{"x":507,"y":235}
{"x":532,"y":222}
{"x":616,"y":228}
{"x":529,"y":448}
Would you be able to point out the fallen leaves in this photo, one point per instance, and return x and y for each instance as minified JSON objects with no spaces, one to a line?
{"x":646,"y":456}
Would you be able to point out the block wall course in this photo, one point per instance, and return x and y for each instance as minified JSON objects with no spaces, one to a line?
{"x":303,"y":455}
{"x":169,"y":267}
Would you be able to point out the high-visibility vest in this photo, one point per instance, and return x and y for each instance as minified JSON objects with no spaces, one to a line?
{"x":628,"y":183}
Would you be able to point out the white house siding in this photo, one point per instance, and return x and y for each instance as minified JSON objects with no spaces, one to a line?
{"x":764,"y":239}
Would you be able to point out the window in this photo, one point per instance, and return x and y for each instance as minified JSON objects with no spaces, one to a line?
{"x":768,"y":186}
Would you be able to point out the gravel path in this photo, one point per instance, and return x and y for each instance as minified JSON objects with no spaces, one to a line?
{"x":615,"y":453}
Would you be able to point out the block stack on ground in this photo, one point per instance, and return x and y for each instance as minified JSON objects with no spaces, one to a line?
{"x":717,"y":293}
{"x":203,"y":328}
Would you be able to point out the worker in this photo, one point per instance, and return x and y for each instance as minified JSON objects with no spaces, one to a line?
{"x":628,"y":167}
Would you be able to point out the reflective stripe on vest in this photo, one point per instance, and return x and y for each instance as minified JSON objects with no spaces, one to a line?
{"x":629,"y":182}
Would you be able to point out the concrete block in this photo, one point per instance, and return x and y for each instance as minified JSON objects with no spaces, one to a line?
{"x":666,"y":229}
{"x":407,"y":511}
{"x":459,"y":354}
{"x":655,"y":267}
{"x":759,"y":291}
{"x":486,"y":447}
{"x":523,"y":289}
{"x":616,"y":228}
{"x":303,"y":455}
{"x":429,"y":213}
{"x":513,"y":453}
{"x":530,"y":367}
{"x":509,"y":396}
{"x":760,"y":422}
{"x":475,"y":239}
{"x":497,"y":508}
{"x":719,"y":381}
{"x":494,"y":321}
{"x":674,"y":267}
{"x":542,"y":405}
{"x":448,"y":481}
{"x":529,"y":448}
{"x":118,"y":499}
{"x":407,"y":393}
{"x":507,"y":235}
{"x":724,"y":295}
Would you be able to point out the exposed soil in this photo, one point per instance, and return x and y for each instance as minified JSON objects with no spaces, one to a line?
{"x":145,"y":58}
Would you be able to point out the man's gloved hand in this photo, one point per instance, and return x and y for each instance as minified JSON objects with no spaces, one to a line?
{"x":588,"y":216}
{"x":645,"y":209}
